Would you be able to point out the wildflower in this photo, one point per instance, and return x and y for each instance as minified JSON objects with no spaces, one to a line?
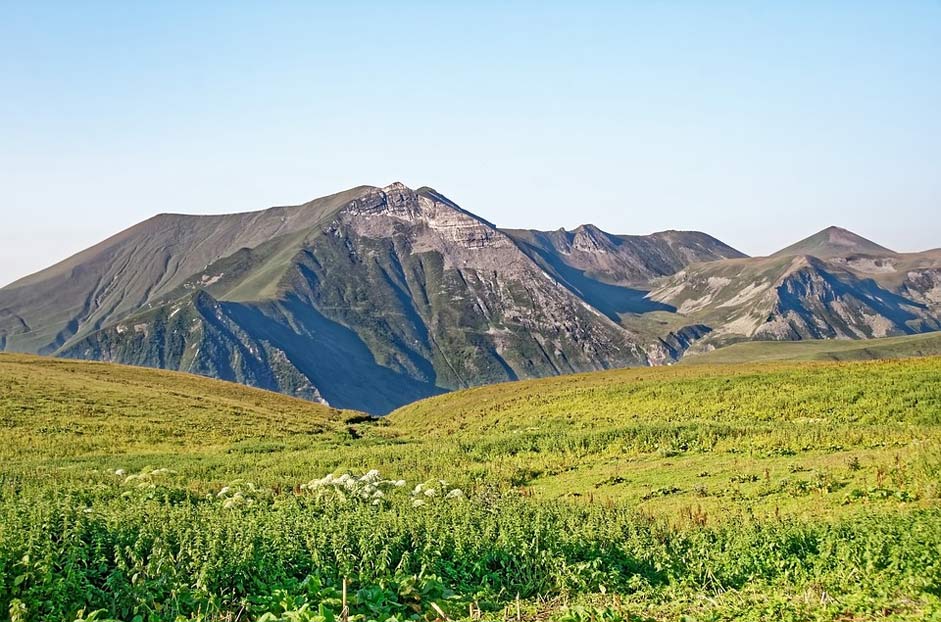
{"x":371,"y":476}
{"x":120,"y":472}
{"x":417,"y":503}
{"x":454,"y":494}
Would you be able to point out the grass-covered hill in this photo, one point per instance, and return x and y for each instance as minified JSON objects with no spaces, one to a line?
{"x":787,"y":491}
{"x":927,"y":344}
{"x":54,"y":410}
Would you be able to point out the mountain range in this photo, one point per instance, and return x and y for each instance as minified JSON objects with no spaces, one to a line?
{"x":375,"y":297}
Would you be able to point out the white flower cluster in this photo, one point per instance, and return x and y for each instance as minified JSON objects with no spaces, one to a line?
{"x":370,"y":487}
{"x":238,"y":493}
{"x":424,"y":493}
{"x":148,"y":477}
{"x":373,"y":489}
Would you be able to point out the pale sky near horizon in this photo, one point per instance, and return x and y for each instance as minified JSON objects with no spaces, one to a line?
{"x":759,"y":123}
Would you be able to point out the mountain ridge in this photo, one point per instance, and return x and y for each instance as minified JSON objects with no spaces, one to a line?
{"x":373,"y":297}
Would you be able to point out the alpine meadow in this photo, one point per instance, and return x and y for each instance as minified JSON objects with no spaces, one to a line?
{"x":470,"y":312}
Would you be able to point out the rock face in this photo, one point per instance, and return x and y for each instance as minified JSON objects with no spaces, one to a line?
{"x":375,"y":297}
{"x":196,"y":334}
{"x":786,"y":297}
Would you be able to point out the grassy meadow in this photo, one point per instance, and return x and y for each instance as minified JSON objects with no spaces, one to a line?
{"x":923,"y":344}
{"x":788,"y":491}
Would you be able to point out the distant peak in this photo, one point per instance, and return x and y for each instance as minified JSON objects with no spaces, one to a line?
{"x":834,"y":241}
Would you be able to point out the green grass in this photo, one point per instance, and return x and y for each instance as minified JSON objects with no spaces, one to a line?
{"x":57,"y":411}
{"x":776,"y":491}
{"x":926,"y":344}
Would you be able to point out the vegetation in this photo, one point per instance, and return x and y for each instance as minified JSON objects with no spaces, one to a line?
{"x":775,"y":491}
{"x":926,"y":344}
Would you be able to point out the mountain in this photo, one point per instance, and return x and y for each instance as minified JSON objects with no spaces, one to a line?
{"x":44,"y":311}
{"x":834,"y":242}
{"x":610,"y":271}
{"x":850,"y":289}
{"x":375,"y":297}
{"x":366,"y":299}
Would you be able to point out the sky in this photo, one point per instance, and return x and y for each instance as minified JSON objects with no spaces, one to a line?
{"x":757,"y":122}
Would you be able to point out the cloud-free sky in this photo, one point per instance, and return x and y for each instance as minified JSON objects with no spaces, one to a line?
{"x":757,"y":122}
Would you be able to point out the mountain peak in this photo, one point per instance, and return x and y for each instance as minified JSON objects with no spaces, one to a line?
{"x":834,"y":242}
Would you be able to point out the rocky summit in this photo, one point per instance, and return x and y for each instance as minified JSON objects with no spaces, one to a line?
{"x":375,"y":297}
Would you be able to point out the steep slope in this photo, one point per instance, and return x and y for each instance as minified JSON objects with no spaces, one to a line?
{"x":611,"y":272}
{"x":397,"y":295}
{"x":196,"y":334}
{"x":44,"y":311}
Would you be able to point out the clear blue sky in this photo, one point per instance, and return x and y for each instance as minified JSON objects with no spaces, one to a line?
{"x":757,"y":122}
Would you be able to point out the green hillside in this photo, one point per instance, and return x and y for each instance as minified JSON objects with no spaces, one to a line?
{"x":927,"y":344}
{"x":714,"y":492}
{"x":56,"y":411}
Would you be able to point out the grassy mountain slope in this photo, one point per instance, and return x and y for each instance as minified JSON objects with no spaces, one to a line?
{"x":926,"y":344}
{"x":56,"y":410}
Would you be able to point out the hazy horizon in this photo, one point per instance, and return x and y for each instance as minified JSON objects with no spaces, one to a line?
{"x":757,"y":124}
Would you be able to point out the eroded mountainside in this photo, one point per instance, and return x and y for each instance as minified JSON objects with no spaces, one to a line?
{"x":375,"y":297}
